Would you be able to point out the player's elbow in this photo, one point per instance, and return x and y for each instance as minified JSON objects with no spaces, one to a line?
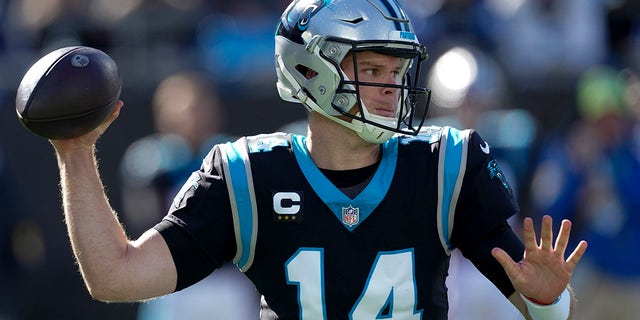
{"x":106,"y":290}
{"x":105,"y":293}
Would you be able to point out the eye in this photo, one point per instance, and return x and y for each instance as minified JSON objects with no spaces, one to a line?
{"x":371,"y":72}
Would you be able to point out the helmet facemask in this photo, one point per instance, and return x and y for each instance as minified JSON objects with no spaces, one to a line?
{"x":349,"y":102}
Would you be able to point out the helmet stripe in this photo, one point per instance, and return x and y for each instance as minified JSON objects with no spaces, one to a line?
{"x":395,"y":11}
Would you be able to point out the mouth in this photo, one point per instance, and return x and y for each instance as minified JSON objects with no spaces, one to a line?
{"x":384,"y":112}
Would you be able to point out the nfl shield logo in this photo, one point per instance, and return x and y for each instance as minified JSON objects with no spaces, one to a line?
{"x":350,"y":216}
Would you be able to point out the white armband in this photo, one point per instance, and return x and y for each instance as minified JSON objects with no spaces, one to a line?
{"x":558,"y":310}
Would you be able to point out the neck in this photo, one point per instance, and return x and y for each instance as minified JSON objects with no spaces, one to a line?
{"x":335,"y":147}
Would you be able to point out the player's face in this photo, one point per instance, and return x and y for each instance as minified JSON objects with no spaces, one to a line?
{"x":374,"y":67}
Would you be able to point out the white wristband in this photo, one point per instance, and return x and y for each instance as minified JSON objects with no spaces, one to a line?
{"x":559,"y":310}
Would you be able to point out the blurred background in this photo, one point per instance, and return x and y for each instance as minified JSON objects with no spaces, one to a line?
{"x":552,"y":85}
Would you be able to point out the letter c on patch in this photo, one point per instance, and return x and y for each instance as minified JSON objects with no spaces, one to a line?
{"x":286,"y":202}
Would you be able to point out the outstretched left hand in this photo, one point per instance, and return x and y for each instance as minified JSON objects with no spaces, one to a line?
{"x":543,"y":273}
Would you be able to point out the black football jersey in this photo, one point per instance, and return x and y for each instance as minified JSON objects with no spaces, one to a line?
{"x":315,"y":253}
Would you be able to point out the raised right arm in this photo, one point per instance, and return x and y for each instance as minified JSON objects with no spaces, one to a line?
{"x":113,"y":267}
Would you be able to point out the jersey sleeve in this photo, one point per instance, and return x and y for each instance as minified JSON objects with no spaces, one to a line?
{"x":198,"y":227}
{"x":486,"y":199}
{"x":485,"y":203}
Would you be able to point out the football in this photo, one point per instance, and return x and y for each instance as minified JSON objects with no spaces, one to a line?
{"x":68,"y":92}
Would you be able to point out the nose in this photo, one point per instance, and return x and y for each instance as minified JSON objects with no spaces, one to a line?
{"x":390,"y":80}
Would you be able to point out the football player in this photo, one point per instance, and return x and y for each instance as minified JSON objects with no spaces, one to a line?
{"x":354,"y":220}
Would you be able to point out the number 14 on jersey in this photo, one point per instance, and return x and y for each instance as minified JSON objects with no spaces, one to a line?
{"x":389,"y":293}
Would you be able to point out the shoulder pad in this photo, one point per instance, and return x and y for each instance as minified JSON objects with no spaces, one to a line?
{"x":430,"y":134}
{"x":266,"y":142}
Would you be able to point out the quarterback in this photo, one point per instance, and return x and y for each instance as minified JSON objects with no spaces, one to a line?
{"x":354,"y":220}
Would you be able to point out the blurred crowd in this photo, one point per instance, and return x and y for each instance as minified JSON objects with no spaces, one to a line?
{"x":553,"y":85}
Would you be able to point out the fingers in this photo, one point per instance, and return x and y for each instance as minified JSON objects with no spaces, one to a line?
{"x":576,"y":255}
{"x":112,"y":117}
{"x":115,"y":113}
{"x":546,"y":240}
{"x":530,"y":242}
{"x":117,"y":108}
{"x":509,"y":266}
{"x":86,"y":142}
{"x":563,"y":237}
{"x":546,"y":233}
